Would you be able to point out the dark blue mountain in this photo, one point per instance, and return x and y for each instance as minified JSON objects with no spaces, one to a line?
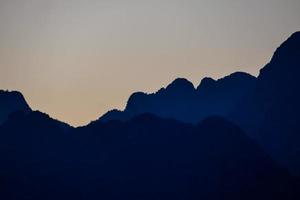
{"x":181,"y":101}
{"x":271,"y":113}
{"x":11,"y":102}
{"x":144,"y":158}
{"x":267,"y":108}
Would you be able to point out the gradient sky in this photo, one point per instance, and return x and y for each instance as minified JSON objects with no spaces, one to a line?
{"x":76,"y":59}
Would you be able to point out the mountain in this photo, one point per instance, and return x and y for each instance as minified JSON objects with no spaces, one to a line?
{"x":11,"y":102}
{"x":143,"y":158}
{"x":181,"y":101}
{"x":271,"y":113}
{"x":267,"y":107}
{"x":165,"y":145}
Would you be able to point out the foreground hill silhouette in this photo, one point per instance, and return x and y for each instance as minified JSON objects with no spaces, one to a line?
{"x":11,"y":102}
{"x":143,"y":158}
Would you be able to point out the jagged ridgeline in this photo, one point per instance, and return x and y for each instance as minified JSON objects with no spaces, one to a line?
{"x":233,"y":138}
{"x":180,"y":100}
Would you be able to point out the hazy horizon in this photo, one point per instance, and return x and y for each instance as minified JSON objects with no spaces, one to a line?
{"x":77,"y":59}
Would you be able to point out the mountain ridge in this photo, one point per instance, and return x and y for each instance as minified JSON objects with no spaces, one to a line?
{"x":183,"y":97}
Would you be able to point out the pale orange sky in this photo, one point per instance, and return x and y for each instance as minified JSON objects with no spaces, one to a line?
{"x":77,"y":59}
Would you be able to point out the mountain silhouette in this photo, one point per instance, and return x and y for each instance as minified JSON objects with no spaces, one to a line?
{"x":232,"y":138}
{"x":11,"y":102}
{"x":143,"y":158}
{"x":271,"y":113}
{"x":267,"y":107}
{"x":181,"y":101}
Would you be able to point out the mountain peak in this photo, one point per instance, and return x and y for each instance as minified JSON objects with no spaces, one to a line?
{"x":239,"y":75}
{"x":10,"y":94}
{"x":136,"y":100}
{"x":180,"y":84}
{"x":206,"y":82}
{"x":11,"y":101}
{"x":233,"y":80}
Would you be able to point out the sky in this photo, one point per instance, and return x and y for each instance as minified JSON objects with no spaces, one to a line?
{"x":77,"y":59}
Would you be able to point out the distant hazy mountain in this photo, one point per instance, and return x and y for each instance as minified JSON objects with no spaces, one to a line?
{"x":143,"y":158}
{"x":180,"y":100}
{"x":271,"y":114}
{"x":11,"y":102}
